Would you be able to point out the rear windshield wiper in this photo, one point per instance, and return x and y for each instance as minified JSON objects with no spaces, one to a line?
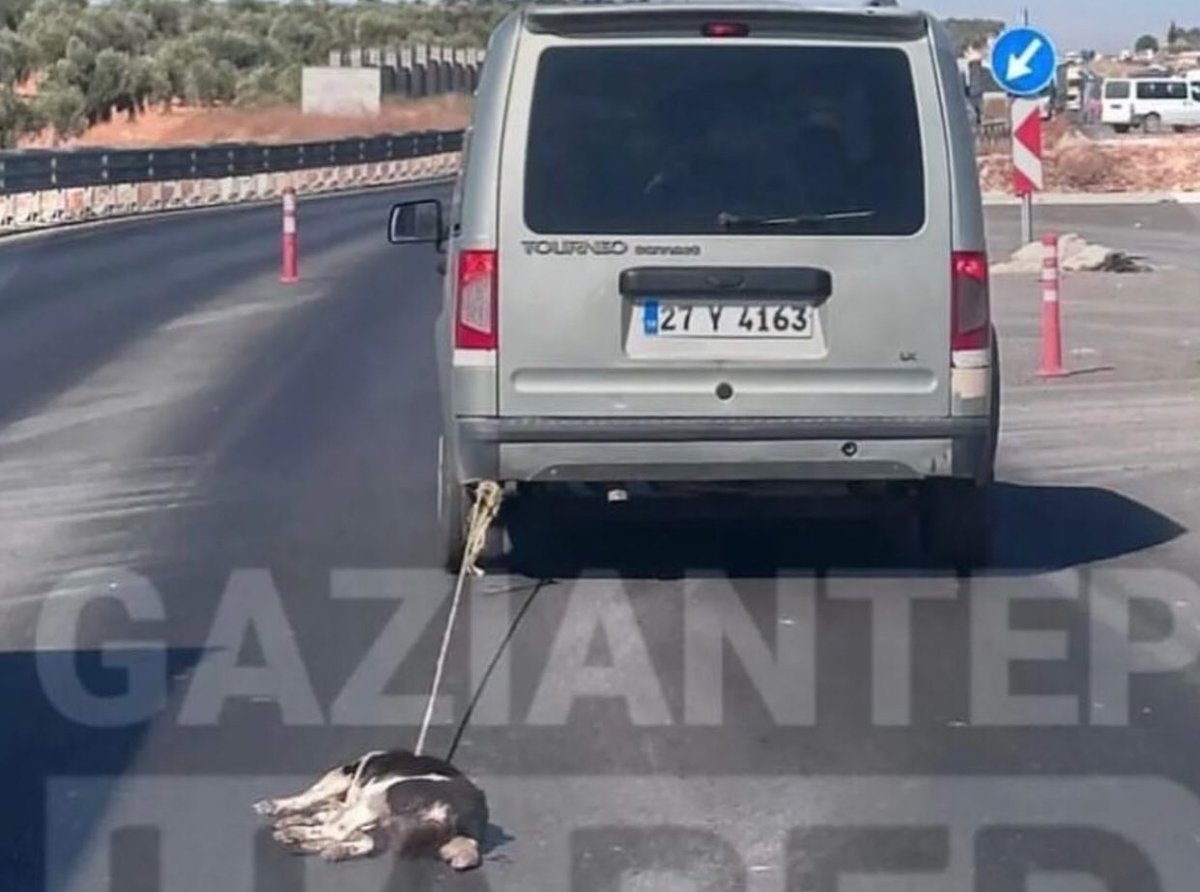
{"x":727,"y":220}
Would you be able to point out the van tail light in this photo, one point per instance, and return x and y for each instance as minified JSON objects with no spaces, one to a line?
{"x":475,"y":322}
{"x":970,"y":310}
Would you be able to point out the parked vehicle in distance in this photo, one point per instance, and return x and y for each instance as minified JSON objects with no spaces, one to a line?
{"x":1073,"y":79}
{"x":1153,"y":104}
{"x":730,"y":247}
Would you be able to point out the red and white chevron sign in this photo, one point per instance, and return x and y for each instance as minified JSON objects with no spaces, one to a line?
{"x":1027,"y":146}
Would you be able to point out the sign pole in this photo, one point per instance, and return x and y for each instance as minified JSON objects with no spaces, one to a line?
{"x":1024,"y":62}
{"x":1027,"y":218}
{"x":1027,"y":198}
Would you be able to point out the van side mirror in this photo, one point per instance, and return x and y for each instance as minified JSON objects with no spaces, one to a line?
{"x":416,"y":223}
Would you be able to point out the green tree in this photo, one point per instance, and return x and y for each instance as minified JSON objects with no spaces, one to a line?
{"x":17,"y":59}
{"x":12,"y":11}
{"x":972,"y":33}
{"x":63,"y":107}
{"x":1147,"y":43}
{"x":17,"y":117}
{"x":94,"y":59}
{"x":1187,"y":38}
{"x":146,"y":82}
{"x":109,"y":85}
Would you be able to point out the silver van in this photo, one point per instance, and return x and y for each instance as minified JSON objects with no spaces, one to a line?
{"x":738,"y":245}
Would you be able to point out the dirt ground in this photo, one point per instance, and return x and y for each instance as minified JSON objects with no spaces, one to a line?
{"x":1076,"y":163}
{"x":182,"y":125}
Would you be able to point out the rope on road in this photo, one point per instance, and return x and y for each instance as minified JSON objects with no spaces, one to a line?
{"x":484,"y":509}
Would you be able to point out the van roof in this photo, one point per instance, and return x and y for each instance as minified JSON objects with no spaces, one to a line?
{"x":666,"y":16}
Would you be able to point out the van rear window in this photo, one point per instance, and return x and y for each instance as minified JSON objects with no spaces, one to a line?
{"x":695,"y":140}
{"x":1116,"y":90}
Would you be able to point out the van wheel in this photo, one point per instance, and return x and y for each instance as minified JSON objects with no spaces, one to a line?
{"x":1152,"y":123}
{"x":956,"y":523}
{"x":454,"y":509}
{"x":1121,"y":128}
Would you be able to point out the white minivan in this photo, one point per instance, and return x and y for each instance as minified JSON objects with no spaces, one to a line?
{"x":1153,"y":104}
{"x":727,"y":247}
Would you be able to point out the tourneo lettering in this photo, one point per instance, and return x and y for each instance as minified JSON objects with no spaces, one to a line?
{"x":572,"y":247}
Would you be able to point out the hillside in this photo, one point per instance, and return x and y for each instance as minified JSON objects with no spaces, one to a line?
{"x":274,"y":123}
{"x":95,"y":64}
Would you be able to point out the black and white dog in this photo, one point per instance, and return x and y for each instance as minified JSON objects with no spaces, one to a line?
{"x":416,"y":806}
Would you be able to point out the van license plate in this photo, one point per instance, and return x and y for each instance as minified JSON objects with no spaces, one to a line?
{"x":733,"y":319}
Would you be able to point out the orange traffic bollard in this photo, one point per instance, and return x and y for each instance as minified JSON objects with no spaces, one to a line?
{"x":289,"y":270}
{"x":1052,"y":351}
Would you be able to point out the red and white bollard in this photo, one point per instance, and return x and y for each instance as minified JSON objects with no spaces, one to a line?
{"x":289,"y":269}
{"x":1052,"y":352}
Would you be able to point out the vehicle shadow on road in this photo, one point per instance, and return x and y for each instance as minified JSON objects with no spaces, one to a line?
{"x":1043,"y":528}
{"x":59,"y":724}
{"x":1037,"y":529}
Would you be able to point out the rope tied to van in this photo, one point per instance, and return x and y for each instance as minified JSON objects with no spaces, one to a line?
{"x":484,"y":508}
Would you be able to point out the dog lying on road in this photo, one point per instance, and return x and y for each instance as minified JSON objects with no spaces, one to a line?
{"x":417,"y":806}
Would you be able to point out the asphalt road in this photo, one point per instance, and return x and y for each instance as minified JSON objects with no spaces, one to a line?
{"x":1166,"y":232}
{"x":216,"y":524}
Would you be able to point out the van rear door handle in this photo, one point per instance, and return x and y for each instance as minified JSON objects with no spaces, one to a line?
{"x":806,"y":283}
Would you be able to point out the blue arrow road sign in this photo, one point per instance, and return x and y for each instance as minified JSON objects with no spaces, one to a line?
{"x":1024,"y":61}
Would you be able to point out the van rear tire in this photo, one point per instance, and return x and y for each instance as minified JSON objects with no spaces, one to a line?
{"x":454,"y":510}
{"x":956,"y":524}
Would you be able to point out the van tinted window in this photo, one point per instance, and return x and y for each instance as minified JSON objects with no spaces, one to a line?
{"x":1161,"y":90}
{"x":674,"y":140}
{"x":1116,"y":90}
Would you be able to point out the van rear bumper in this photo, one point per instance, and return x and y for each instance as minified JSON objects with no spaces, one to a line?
{"x":568,"y":449}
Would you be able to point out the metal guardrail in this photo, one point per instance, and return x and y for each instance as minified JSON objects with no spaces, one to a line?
{"x":993,"y":134}
{"x":36,"y":170}
{"x":996,"y":129}
{"x":43,"y":188}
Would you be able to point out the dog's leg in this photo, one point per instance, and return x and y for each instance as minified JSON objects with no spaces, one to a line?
{"x":357,"y":846}
{"x":357,"y":818}
{"x":333,"y":785}
{"x":461,"y":853}
{"x":308,"y":818}
{"x":311,"y":846}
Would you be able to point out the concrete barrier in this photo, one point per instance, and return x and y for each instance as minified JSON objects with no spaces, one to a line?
{"x":416,"y":70}
{"x":26,"y":211}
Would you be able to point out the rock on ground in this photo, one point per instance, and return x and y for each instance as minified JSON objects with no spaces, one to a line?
{"x":1075,"y":254}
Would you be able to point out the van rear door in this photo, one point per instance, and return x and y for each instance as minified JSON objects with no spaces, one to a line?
{"x":1118,"y":103}
{"x":725,"y":219}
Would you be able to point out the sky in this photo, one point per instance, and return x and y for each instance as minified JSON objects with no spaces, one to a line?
{"x":1104,"y":25}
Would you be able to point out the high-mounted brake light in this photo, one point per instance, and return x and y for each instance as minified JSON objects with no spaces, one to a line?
{"x":725,"y":29}
{"x":970,"y":310}
{"x":475,"y":322}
